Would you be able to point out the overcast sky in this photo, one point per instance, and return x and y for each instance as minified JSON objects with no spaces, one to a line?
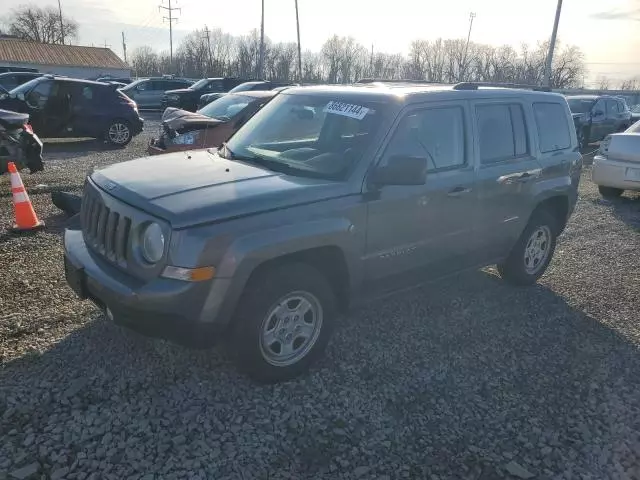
{"x":608,"y":32}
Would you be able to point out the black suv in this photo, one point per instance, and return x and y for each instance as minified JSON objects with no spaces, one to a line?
{"x":187,"y":98}
{"x":596,"y":116}
{"x":69,"y":107}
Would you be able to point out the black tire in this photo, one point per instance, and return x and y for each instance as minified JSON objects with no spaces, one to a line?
{"x":111,"y":135}
{"x":610,"y":192}
{"x":514,"y":269}
{"x":260,"y":298}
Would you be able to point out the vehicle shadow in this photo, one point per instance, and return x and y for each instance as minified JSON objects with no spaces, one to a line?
{"x":625,"y":208}
{"x":459,"y":376}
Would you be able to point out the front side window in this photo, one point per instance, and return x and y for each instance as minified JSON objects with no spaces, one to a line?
{"x":612,"y":107}
{"x":436,"y":134}
{"x":552,"y":125}
{"x":599,"y":107}
{"x":502,"y":132}
{"x":580,"y":105}
{"x":308,"y":135}
{"x":39,"y":95}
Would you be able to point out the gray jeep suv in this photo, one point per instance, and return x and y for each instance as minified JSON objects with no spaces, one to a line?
{"x":328,"y":194}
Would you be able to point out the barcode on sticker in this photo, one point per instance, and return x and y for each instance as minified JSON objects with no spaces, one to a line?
{"x":346,"y":109}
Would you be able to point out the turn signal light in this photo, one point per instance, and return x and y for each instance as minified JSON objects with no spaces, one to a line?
{"x":199,"y":274}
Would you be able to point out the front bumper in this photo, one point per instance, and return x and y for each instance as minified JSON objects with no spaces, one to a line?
{"x":183,"y":312}
{"x":612,"y":173}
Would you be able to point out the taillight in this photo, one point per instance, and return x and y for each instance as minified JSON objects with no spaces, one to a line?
{"x":28,"y":128}
{"x":604,"y":145}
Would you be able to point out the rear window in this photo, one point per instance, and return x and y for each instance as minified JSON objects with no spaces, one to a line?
{"x":553,"y":127}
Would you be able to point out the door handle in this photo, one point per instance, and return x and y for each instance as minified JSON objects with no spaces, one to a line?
{"x":457,"y":191}
{"x":520,"y":177}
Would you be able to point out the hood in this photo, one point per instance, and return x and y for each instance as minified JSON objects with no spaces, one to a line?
{"x":177,"y":119}
{"x":8,"y":117}
{"x":197,"y":187}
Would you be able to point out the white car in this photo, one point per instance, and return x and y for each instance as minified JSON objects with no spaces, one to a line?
{"x":616,"y":167}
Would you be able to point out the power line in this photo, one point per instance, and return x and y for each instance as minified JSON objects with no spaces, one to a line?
{"x":171,"y":19}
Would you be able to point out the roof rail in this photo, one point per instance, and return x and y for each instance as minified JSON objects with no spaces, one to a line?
{"x":475,"y":85}
{"x":404,"y":80}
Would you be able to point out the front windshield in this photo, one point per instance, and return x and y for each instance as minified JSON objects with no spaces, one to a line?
{"x":199,"y":84}
{"x":243,"y":87}
{"x":310,"y":135}
{"x":226,"y":107}
{"x":25,"y":87}
{"x":580,"y":105}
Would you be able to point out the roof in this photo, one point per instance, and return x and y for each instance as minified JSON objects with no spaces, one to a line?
{"x":22,"y":51}
{"x":407,"y":93}
{"x":255,"y":93}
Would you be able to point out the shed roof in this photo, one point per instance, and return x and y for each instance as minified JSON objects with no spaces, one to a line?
{"x":22,"y":51}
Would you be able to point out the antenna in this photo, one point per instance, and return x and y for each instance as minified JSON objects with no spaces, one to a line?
{"x":171,"y":19}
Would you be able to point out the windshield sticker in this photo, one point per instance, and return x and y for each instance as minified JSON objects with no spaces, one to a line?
{"x":346,"y":109}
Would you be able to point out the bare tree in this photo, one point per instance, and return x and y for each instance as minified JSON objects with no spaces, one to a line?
{"x":145,"y":61}
{"x":630,"y":84}
{"x":603,"y":82}
{"x":41,"y":25}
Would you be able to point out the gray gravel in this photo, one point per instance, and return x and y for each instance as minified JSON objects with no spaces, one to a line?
{"x":465,"y":379}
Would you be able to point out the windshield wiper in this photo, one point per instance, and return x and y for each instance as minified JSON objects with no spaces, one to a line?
{"x":225,"y":152}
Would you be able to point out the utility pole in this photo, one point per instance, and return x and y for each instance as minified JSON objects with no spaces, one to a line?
{"x":472,"y":15}
{"x":261,"y":59}
{"x":371,"y":63}
{"x":299,"y":49}
{"x":206,"y":31}
{"x":171,"y":19}
{"x":105,"y":45}
{"x":124,"y":48}
{"x":61,"y":23}
{"x":552,"y":45}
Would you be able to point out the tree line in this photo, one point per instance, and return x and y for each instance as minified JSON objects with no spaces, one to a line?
{"x":205,"y":53}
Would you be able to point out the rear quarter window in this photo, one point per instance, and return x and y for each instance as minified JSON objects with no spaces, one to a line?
{"x":552,"y":125}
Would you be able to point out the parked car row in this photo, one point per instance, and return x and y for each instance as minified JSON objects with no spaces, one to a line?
{"x":596,"y":116}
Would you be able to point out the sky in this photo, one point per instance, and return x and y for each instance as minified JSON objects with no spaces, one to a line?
{"x":607,"y":32}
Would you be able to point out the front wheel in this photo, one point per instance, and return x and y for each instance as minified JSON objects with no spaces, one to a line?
{"x":119,"y":133}
{"x":532,"y":253}
{"x":283,"y":323}
{"x":610,"y":192}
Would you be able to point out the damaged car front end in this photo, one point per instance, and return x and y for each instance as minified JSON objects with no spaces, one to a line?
{"x":209,"y":127}
{"x":18,"y":143}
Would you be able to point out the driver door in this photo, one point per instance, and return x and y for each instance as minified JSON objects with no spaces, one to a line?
{"x":598,"y":121}
{"x":41,"y":101}
{"x":425,"y":231}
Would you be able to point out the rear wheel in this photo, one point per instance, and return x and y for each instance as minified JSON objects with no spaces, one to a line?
{"x":283,"y":323}
{"x":531,"y":255}
{"x":119,"y":133}
{"x":610,"y":192}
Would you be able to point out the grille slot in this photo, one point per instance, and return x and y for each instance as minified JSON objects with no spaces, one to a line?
{"x":105,"y":230}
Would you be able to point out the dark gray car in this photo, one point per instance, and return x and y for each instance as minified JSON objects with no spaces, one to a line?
{"x":596,"y":116}
{"x":327,"y":196}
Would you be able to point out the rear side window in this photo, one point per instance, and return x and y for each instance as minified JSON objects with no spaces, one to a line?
{"x":552,"y":125}
{"x":502,"y":132}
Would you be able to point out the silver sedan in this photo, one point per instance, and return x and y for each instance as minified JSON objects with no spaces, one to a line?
{"x":616,"y":167}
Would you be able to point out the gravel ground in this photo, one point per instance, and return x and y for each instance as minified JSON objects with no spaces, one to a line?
{"x":465,"y":379}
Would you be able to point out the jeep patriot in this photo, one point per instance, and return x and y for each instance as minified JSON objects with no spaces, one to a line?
{"x":327,"y":195}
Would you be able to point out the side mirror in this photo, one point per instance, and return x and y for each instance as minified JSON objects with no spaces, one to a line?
{"x":401,"y":170}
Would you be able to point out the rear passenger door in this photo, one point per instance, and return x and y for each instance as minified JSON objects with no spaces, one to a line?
{"x":507,"y":171}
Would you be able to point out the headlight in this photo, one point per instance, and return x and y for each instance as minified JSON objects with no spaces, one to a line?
{"x":152,"y":243}
{"x":185,"y":139}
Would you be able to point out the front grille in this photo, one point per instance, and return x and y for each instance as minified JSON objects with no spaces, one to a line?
{"x":105,"y":230}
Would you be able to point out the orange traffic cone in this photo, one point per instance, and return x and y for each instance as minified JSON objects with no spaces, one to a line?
{"x":26,"y":218}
